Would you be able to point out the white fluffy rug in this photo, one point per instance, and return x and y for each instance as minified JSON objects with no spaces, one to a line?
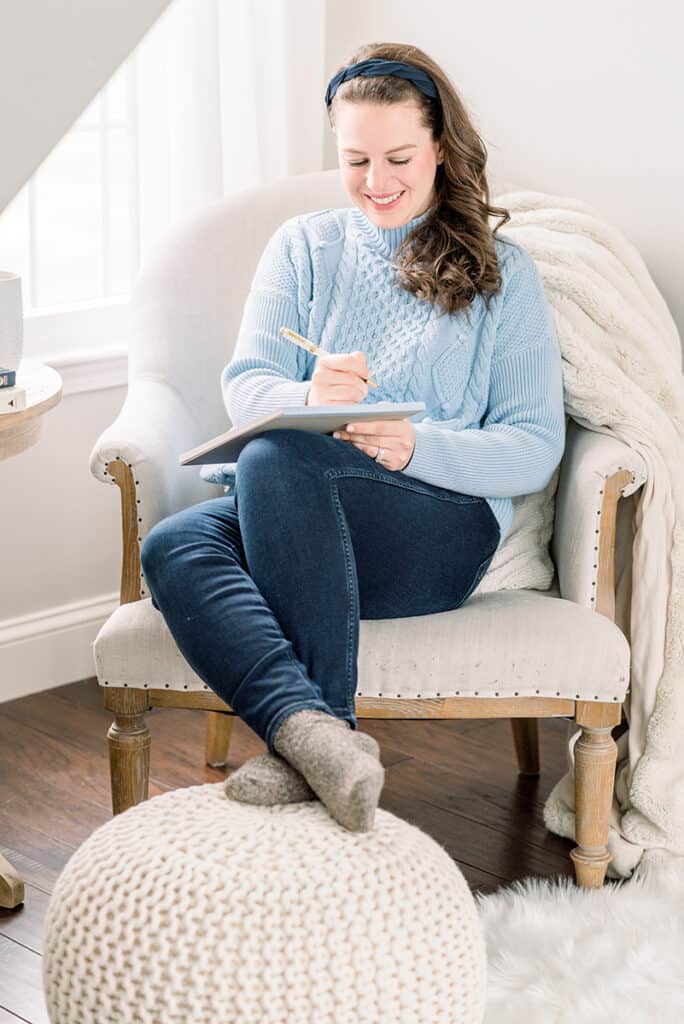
{"x":558,"y":954}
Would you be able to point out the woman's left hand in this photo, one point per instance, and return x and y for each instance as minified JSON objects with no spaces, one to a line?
{"x":397,"y":438}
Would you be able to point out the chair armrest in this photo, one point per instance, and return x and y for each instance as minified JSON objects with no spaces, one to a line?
{"x":139,"y":452}
{"x":597,"y":470}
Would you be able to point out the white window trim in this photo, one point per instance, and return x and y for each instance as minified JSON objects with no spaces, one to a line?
{"x":56,"y":331}
{"x":87,"y":343}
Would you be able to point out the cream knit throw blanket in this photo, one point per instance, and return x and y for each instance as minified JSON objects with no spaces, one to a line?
{"x":622,"y":367}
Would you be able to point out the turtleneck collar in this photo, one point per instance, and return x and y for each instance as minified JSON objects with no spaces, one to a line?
{"x":386,"y":240}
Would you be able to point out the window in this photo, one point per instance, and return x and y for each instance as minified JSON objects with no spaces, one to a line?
{"x":210,"y":101}
{"x":71,"y":232}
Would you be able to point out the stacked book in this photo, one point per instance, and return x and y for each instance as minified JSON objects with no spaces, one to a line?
{"x":12,"y":395}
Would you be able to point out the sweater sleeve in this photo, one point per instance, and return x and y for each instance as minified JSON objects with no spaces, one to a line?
{"x":521,"y":439}
{"x":267,"y":371}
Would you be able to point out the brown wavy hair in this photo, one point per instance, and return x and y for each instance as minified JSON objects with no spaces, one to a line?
{"x":450,"y":257}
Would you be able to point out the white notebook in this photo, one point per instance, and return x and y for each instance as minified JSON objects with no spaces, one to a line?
{"x":316,"y":419}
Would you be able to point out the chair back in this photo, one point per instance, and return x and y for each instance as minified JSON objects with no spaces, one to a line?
{"x":187,"y":302}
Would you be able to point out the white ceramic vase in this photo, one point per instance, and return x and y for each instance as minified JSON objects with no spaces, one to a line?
{"x":11,"y":321}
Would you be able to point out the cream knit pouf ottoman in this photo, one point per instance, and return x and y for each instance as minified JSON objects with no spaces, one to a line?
{"x":192,"y":908}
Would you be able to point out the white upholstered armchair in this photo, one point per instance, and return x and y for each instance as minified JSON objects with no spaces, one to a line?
{"x":556,"y":653}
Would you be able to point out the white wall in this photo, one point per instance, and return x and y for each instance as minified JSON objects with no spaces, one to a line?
{"x":61,"y":547}
{"x":583,"y":99}
{"x":59,"y":528}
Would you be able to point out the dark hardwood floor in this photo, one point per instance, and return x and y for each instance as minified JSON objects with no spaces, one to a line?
{"x":458,"y":781}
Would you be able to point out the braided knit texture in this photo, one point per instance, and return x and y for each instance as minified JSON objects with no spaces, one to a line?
{"x":491,"y":380}
{"x":191,"y":908}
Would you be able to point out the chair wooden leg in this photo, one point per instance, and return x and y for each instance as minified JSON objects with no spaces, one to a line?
{"x":526,"y":739}
{"x":595,"y":760}
{"x":129,"y":747}
{"x":11,"y":886}
{"x":218,"y":733}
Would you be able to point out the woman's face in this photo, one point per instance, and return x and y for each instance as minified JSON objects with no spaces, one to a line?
{"x":383,"y":149}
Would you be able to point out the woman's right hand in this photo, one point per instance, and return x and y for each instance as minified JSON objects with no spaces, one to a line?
{"x":338,"y":377}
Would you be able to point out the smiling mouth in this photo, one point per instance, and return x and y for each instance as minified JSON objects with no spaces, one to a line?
{"x":386,"y":201}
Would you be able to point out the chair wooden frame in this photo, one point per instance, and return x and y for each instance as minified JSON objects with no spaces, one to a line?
{"x":595,"y":750}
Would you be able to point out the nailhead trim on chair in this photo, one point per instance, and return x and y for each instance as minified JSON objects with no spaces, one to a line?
{"x":476,"y":693}
{"x":138,"y":501}
{"x":598,"y":513}
{"x":592,"y":600}
{"x":398,"y":695}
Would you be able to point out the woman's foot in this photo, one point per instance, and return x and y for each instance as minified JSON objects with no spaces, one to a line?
{"x":268,"y":779}
{"x":342,"y":775}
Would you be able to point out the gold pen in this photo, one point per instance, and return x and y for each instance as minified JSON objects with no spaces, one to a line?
{"x":310,"y":347}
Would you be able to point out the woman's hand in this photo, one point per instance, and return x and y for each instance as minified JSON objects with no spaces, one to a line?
{"x":338,"y":377}
{"x":397,"y":438}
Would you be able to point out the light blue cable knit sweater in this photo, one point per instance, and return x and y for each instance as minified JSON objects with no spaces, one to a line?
{"x":491,"y":380}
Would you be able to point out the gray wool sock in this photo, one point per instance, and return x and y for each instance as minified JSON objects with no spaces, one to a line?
{"x":345,"y":778}
{"x":268,"y":779}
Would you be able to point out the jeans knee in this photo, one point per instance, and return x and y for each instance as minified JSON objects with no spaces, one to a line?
{"x":263,"y":448}
{"x":260,"y":463}
{"x":278,"y":456}
{"x":153,"y":549}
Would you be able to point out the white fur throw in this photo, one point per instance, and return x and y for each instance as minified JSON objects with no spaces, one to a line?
{"x":558,"y":954}
{"x":622,"y":368}
{"x":191,"y":908}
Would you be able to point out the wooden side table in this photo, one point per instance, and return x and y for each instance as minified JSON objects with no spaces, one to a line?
{"x":21,"y":429}
{"x":18,"y":431}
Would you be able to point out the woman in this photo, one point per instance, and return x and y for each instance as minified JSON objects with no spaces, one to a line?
{"x":263,"y":589}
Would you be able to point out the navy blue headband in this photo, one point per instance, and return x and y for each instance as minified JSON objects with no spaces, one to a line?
{"x":374,"y":67}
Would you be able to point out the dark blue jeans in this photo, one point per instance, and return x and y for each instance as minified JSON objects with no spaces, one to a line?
{"x":263,"y":589}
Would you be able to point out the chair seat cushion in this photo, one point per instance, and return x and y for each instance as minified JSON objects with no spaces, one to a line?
{"x":509,"y":643}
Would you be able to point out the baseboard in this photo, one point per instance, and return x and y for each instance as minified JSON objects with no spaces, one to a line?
{"x":51,"y":647}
